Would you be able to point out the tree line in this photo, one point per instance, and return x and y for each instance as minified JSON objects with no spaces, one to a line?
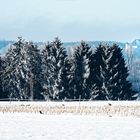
{"x":30,"y":73}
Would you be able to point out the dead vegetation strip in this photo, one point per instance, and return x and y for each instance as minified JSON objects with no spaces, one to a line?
{"x":106,"y":110}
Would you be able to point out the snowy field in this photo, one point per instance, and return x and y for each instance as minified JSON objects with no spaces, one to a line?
{"x":23,"y":126}
{"x":74,"y":103}
{"x":95,"y":108}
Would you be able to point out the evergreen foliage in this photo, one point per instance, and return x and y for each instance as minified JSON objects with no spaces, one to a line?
{"x":121,"y":87}
{"x":21,"y":71}
{"x":3,"y":95}
{"x":110,"y":81}
{"x":81,"y":72}
{"x":28,"y":73}
{"x":12,"y":75}
{"x":56,"y":71}
{"x":32,"y":71}
{"x":46,"y":66}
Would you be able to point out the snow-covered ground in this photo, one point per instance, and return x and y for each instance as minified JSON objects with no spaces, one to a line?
{"x":23,"y":126}
{"x":74,"y":103}
{"x":95,"y":108}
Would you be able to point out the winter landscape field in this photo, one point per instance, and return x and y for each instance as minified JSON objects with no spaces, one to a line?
{"x":70,"y":70}
{"x":19,"y":125}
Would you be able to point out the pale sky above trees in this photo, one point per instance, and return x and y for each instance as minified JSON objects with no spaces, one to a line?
{"x":71,"y":20}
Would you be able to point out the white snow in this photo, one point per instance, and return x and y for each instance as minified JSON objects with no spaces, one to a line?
{"x":22,"y":126}
{"x":74,"y":103}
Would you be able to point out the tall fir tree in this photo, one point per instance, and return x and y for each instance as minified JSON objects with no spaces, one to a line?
{"x":22,"y":71}
{"x":122,"y":88}
{"x":56,"y":71}
{"x":80,"y":82}
{"x":100,"y":72}
{"x":32,"y":71}
{"x":3,"y":95}
{"x":110,"y":79}
{"x":46,"y":67}
{"x":12,"y":75}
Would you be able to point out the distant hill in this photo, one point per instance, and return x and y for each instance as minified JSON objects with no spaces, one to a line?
{"x":4,"y":44}
{"x":136,"y":42}
{"x":95,"y":43}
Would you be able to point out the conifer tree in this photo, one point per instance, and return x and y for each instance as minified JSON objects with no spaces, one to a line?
{"x":12,"y":75}
{"x":110,"y":79}
{"x":32,"y":71}
{"x":0,"y":77}
{"x":100,"y":70}
{"x":3,"y":95}
{"x":121,"y":87}
{"x":80,"y":82}
{"x":46,"y":67}
{"x":22,"y":71}
{"x":56,"y":71}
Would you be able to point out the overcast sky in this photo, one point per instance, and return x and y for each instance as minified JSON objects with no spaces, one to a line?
{"x":71,"y":20}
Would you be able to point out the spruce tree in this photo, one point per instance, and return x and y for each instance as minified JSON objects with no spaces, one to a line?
{"x":21,"y":77}
{"x":46,"y":67}
{"x":80,"y":83}
{"x":121,"y":87}
{"x":12,"y":75}
{"x":110,"y":79}
{"x":101,"y":58}
{"x":56,"y":71}
{"x":3,"y":95}
{"x":32,"y":71}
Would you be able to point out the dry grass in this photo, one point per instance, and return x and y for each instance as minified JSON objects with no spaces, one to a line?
{"x":105,"y":110}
